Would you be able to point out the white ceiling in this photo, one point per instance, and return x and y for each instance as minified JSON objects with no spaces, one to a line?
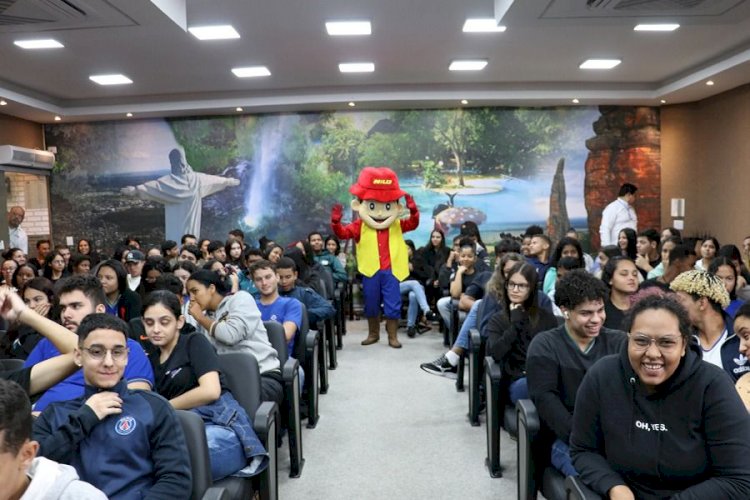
{"x":535,"y":62}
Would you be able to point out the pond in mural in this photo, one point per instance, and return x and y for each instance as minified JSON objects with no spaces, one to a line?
{"x":279,"y":175}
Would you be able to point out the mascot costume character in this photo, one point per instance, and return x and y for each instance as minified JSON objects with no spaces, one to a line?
{"x":382,"y":255}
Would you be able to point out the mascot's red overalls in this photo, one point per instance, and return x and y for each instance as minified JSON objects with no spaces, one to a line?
{"x":382,"y":256}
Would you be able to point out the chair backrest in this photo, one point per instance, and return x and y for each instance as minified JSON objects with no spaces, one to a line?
{"x":195,"y":435}
{"x":10,"y":364}
{"x":326,"y":279}
{"x":277,"y":337}
{"x":243,"y":378}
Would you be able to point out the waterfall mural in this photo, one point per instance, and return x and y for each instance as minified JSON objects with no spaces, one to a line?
{"x":282,"y":173}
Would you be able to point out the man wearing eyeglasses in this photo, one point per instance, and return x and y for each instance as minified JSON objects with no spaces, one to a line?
{"x":79,"y":296}
{"x":127,"y":443}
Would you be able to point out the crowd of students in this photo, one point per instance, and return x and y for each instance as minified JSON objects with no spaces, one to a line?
{"x":630,"y":357}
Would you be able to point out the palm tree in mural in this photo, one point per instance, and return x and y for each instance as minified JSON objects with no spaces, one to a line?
{"x":457,"y":130}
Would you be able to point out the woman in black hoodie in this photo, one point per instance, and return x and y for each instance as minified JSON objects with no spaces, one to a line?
{"x":656,"y":421}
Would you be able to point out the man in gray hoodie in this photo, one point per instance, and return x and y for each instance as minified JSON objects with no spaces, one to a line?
{"x":22,"y":474}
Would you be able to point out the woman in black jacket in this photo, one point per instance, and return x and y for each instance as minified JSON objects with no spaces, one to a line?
{"x":511,"y":329}
{"x":434,"y":254}
{"x":121,"y":300}
{"x":656,"y":421}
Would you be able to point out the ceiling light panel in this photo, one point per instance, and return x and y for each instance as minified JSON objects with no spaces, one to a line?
{"x":600,"y":63}
{"x":357,"y":67}
{"x":468,"y":65}
{"x":483,"y":25}
{"x":251,"y":71}
{"x":348,"y":28}
{"x":656,"y":27}
{"x":117,"y":79}
{"x":219,"y":32}
{"x":39,"y":44}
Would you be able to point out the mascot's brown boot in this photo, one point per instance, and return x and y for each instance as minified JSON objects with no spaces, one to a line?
{"x":373,"y":336}
{"x":391,"y":326}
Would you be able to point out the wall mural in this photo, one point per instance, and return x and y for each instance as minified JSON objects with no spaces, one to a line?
{"x":279,"y":175}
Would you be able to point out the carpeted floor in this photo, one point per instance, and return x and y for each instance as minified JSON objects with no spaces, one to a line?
{"x":387,"y":429}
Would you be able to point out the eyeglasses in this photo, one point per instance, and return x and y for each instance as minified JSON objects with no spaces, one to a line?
{"x":521,"y":287}
{"x":664,"y":344}
{"x":99,"y":353}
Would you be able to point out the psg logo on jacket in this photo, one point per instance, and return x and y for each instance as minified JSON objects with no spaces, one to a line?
{"x":125,"y":425}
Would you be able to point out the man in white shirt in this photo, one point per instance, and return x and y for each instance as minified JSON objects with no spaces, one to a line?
{"x":18,"y":238}
{"x":618,"y":215}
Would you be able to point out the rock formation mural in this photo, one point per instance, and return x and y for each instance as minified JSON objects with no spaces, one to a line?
{"x":558,"y":222}
{"x":626,"y":148}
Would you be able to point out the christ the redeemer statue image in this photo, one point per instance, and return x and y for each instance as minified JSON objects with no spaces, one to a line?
{"x":181,"y":193}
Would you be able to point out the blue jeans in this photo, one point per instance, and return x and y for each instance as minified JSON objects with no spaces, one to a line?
{"x":417,"y":300}
{"x":560,"y":457}
{"x":470,"y":322}
{"x":224,"y":451}
{"x":382,"y":288}
{"x":519,"y":389}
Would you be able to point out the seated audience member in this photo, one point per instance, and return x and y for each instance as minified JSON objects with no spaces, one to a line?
{"x":460,"y":280}
{"x":235,"y":325}
{"x":681,"y":258}
{"x":202,"y":245}
{"x":216,"y":251}
{"x":447,"y":364}
{"x":588,"y":262}
{"x":666,"y":246}
{"x":627,"y":241}
{"x":273,"y":253}
{"x":41,"y":376}
{"x":190,"y":253}
{"x":558,"y":359}
{"x":724,"y":269}
{"x":170,"y":251}
{"x":187,"y":374}
{"x":43,"y":248}
{"x":567,"y":247}
{"x":413,"y":288}
{"x":183,"y":269}
{"x":23,"y":274}
{"x":227,"y":272}
{"x":562,"y":267}
{"x":250,"y":255}
{"x":708,"y":249}
{"x":704,"y":297}
{"x":647,"y":247}
{"x":79,"y":296}
{"x":9,"y":267}
{"x":237,"y":234}
{"x":448,"y":269}
{"x":153,"y":252}
{"x":15,"y":254}
{"x":333,"y":245}
{"x":233,"y":250}
{"x":743,"y":275}
{"x":539,"y":255}
{"x":39,"y":296}
{"x":188,"y":239}
{"x":80,"y":264}
{"x":434,"y":254}
{"x":670,"y":232}
{"x":24,"y":475}
{"x":152,"y":269}
{"x":470,"y":230}
{"x":131,"y":241}
{"x":86,"y":247}
{"x":274,"y":307}
{"x":318,"y":308}
{"x":510,"y":330}
{"x":655,"y":421}
{"x":134,"y":262}
{"x":127,"y":443}
{"x":603,"y":257}
{"x":742,"y":329}
{"x":323,"y":257}
{"x":621,"y":276}
{"x":120,"y":300}
{"x":55,"y":267}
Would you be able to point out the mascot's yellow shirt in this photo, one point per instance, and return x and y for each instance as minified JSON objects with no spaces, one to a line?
{"x":368,"y":253}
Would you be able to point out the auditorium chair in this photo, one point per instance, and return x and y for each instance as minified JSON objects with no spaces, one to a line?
{"x":499,"y":414}
{"x":200,"y":466}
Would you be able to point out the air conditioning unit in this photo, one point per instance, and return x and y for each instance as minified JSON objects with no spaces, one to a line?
{"x":23,"y":157}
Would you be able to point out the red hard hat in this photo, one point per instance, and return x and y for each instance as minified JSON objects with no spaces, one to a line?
{"x":377,"y":183}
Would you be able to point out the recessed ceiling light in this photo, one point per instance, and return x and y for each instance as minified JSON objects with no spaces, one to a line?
{"x":351,"y":104}
{"x":663,"y":101}
{"x":47,"y":43}
{"x":238,"y":109}
{"x":57,"y":118}
{"x":219,"y":32}
{"x":129,"y":115}
{"x":468,"y":65}
{"x":464,"y":101}
{"x":710,"y":82}
{"x":575,"y":101}
{"x":359,"y":67}
{"x":482,"y":25}
{"x":117,"y":79}
{"x":251,"y":71}
{"x":599,"y":63}
{"x":3,"y":102}
{"x":348,"y":28}
{"x":656,"y":27}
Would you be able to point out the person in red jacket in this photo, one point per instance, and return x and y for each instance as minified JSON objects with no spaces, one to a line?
{"x":382,"y":256}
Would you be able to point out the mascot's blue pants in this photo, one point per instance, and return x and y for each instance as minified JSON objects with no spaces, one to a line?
{"x":382,"y":288}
